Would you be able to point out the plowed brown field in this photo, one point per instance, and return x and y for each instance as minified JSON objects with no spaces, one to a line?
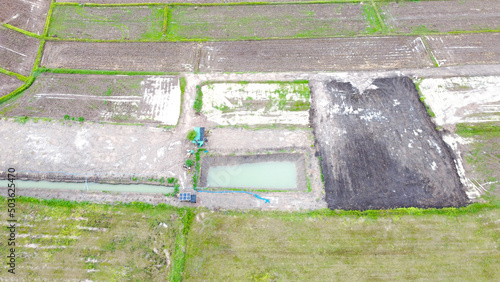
{"x":170,"y":57}
{"x":333,"y":54}
{"x":8,"y":84}
{"x":442,"y":16}
{"x":28,"y":15}
{"x":17,"y":51}
{"x":475,"y":48}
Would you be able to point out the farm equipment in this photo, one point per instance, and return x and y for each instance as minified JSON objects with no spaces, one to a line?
{"x":200,"y":136}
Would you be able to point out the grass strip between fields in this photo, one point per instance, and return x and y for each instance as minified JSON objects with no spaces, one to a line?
{"x":381,"y":22}
{"x":429,"y":51}
{"x":227,"y":3}
{"x":29,"y":80}
{"x":447,"y":211}
{"x":103,"y":72}
{"x":25,"y":32}
{"x":179,"y":257}
{"x":165,"y":20}
{"x":16,"y":75}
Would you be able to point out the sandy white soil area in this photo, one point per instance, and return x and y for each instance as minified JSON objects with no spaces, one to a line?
{"x":254,"y":103}
{"x":463,"y":99}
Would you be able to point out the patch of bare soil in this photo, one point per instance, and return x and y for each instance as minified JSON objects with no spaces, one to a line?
{"x":472,"y":48}
{"x":8,"y":84}
{"x":17,"y":51}
{"x":379,"y":148}
{"x":441,"y":16}
{"x":168,"y":57}
{"x":332,"y":54}
{"x":28,"y":15}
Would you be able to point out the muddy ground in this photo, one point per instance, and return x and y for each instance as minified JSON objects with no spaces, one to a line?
{"x":8,"y":84}
{"x":473,"y":48}
{"x":123,"y":99}
{"x":168,"y":57}
{"x":17,"y":51}
{"x":267,"y":21}
{"x":27,"y":15}
{"x":441,"y":16}
{"x":379,"y":148}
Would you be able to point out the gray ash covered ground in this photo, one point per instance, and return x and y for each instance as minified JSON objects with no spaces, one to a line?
{"x":379,"y":149}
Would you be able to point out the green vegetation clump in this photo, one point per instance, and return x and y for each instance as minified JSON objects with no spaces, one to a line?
{"x":372,"y":16}
{"x":422,"y":29}
{"x":67,"y":117}
{"x":182,"y":84}
{"x":103,"y":72}
{"x":22,"y":120}
{"x":480,"y":129}
{"x":189,"y":163}
{"x":81,"y":119}
{"x":198,"y":102}
{"x":191,"y":135}
{"x":422,"y":98}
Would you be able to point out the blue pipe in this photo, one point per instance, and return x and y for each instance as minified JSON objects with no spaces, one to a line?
{"x":257,"y":196}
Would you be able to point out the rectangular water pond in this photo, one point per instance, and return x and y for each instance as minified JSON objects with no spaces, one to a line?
{"x":134,"y":188}
{"x":270,"y":172}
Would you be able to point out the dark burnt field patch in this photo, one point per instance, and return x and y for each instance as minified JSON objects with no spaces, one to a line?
{"x":379,"y":149}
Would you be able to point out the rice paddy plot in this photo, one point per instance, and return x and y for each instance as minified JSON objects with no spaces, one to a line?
{"x":267,"y":21}
{"x":117,"y":23}
{"x":420,"y":17}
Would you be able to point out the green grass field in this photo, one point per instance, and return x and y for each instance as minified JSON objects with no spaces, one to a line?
{"x":301,"y":247}
{"x":483,"y":154}
{"x":58,"y":240}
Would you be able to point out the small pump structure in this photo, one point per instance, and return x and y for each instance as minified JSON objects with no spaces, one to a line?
{"x":200,"y":136}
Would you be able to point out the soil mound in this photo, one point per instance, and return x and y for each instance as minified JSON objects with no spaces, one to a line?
{"x":379,"y":149}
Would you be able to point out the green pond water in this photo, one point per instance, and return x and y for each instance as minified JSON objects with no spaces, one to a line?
{"x":263,"y":175}
{"x":139,"y":188}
